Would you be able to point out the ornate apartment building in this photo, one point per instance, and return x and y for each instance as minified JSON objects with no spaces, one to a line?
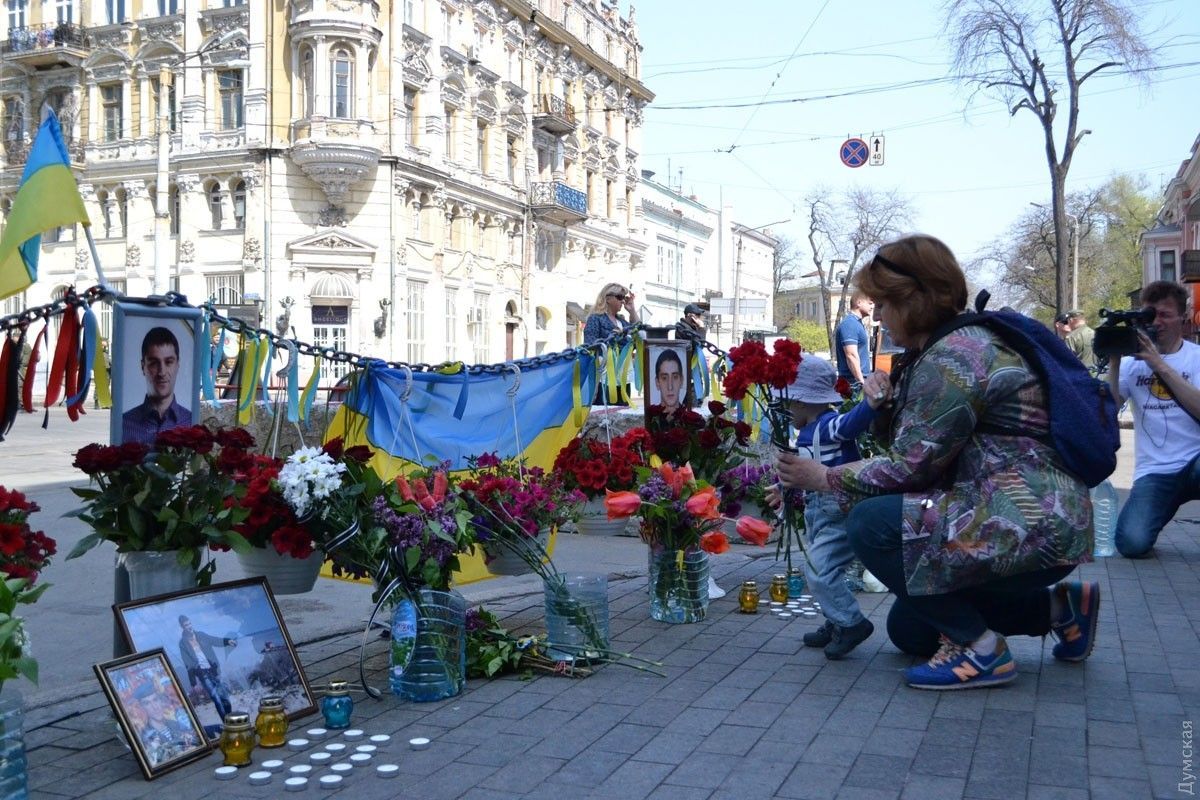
{"x":422,"y":180}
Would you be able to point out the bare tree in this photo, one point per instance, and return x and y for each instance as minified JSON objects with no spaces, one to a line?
{"x":846,"y":228}
{"x":1027,"y":52}
{"x":786,"y":267}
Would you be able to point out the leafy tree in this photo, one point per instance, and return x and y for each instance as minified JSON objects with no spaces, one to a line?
{"x":1036,"y":55}
{"x":811,"y":334}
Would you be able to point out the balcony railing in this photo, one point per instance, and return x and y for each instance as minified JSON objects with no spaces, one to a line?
{"x":554,"y":114}
{"x":34,"y":39}
{"x":558,"y":202}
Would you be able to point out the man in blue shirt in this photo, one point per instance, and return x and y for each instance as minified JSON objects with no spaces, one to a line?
{"x":851,"y":343}
{"x":159,"y":411}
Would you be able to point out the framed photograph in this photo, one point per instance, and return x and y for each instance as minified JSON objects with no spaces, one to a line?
{"x":153,"y":711}
{"x":666,"y":375}
{"x":228,"y":645}
{"x":156,"y":358}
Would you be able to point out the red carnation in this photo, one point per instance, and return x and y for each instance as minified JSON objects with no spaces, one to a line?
{"x":842,"y":387}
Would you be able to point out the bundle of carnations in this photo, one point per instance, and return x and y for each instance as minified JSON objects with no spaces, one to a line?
{"x":24,"y":553}
{"x":765,"y":380}
{"x":514,"y":510}
{"x":709,"y":445}
{"x":173,"y":498}
{"x":680,"y":518}
{"x":595,"y":466}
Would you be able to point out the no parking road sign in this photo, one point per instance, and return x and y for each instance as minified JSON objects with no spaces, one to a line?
{"x":854,"y":152}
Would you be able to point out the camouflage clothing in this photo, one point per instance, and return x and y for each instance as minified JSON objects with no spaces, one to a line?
{"x":977,"y":506}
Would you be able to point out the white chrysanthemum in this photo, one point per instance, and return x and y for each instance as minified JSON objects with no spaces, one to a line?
{"x":307,"y":476}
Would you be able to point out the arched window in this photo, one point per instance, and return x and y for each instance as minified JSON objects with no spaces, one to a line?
{"x":306,"y":80}
{"x":239,"y":204}
{"x":105,"y":212}
{"x":123,"y":211}
{"x":213,"y":193}
{"x":542,"y":318}
{"x":341,"y":92}
{"x":173,"y":209}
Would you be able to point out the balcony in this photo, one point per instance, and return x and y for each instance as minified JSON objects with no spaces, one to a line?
{"x":553,"y":114}
{"x":49,"y":45}
{"x":558,"y":203}
{"x":336,"y":154}
{"x":1191,"y":266}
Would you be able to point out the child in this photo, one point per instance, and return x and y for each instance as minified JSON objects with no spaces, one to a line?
{"x":831,"y":438}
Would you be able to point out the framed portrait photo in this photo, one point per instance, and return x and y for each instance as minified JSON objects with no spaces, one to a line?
{"x":666,"y":374}
{"x":156,"y":357}
{"x":228,"y":645}
{"x":153,"y":711}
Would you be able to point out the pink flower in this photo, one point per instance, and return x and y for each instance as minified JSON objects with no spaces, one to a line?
{"x":753,"y":530}
{"x":621,"y":504}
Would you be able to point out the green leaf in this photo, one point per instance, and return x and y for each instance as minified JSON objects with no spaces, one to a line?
{"x":494,"y":666}
{"x":28,"y":667}
{"x":85,"y":544}
{"x":236,"y":541}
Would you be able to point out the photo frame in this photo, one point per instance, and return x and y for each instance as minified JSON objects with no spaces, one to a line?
{"x":666,"y":374}
{"x":228,"y":645}
{"x":152,"y":709}
{"x":156,"y":356}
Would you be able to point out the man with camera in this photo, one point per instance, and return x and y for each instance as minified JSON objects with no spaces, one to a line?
{"x":1161,"y":378}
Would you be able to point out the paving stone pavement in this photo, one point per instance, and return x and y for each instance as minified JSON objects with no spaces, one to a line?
{"x":745,"y":711}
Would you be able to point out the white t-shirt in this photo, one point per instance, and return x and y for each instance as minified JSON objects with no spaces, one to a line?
{"x":1167,"y":437}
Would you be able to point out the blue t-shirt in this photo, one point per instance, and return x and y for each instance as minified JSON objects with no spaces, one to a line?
{"x":851,"y":331}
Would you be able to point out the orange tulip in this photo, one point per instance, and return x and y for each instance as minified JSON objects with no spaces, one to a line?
{"x":704,"y":504}
{"x":753,"y":530}
{"x":714,"y":542}
{"x":672,"y":477}
{"x":685,"y":472}
{"x":621,"y":504}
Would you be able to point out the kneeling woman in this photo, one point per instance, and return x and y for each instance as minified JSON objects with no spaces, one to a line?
{"x":968,"y":516}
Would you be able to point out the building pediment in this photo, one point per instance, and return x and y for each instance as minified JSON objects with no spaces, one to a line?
{"x":334,"y":248}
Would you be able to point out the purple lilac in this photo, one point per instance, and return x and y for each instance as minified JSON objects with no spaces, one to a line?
{"x":654,"y":489}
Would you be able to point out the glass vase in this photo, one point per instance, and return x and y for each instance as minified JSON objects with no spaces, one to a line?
{"x":576,"y":616}
{"x":155,"y":572}
{"x":13,"y":766}
{"x":678,"y":585}
{"x":435,"y":666}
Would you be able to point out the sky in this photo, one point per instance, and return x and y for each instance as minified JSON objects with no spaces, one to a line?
{"x":969,"y":168}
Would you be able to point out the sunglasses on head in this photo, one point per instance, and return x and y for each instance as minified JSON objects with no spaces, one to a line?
{"x":620,"y":296}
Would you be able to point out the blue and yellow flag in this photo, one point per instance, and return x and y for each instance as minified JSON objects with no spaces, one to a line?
{"x":48,"y":197}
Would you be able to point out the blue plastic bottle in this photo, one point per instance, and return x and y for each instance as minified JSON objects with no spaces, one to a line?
{"x":1104,"y":513}
{"x":404,"y":637}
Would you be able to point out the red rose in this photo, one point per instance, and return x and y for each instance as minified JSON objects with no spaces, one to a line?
{"x":333,"y":448}
{"x":842,"y":387}
{"x":196,"y":438}
{"x":360,"y":453}
{"x":234,"y":437}
{"x":716,"y":408}
{"x":709,"y":439}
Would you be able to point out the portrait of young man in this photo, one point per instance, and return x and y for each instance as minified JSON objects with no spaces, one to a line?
{"x":159,"y":407}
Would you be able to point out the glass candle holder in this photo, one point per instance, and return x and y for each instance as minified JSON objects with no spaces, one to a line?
{"x":779,"y":589}
{"x":271,"y":724}
{"x":337,"y":705}
{"x":795,"y":580}
{"x":237,"y":739}
{"x":748,"y":598}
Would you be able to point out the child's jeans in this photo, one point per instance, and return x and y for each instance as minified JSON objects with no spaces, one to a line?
{"x":829,"y":553}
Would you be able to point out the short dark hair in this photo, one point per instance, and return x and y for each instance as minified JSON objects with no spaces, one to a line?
{"x":158,"y":336}
{"x":1165,"y":290}
{"x":667,"y":354}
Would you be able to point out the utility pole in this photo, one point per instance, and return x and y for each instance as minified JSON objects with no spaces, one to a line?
{"x":737,"y":275}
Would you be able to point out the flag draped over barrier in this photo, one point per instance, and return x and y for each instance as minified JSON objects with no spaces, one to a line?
{"x":48,"y":197}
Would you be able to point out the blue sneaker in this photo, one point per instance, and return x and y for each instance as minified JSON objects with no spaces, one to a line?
{"x":955,"y":666}
{"x":1077,"y":633}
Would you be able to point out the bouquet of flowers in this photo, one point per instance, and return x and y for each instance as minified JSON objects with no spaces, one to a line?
{"x":173,"y":497}
{"x":755,"y":374}
{"x":746,"y":483}
{"x":595,"y":466}
{"x":513,"y":504}
{"x":492,"y":650}
{"x":710,"y":445}
{"x":325,"y":489}
{"x":24,"y":553}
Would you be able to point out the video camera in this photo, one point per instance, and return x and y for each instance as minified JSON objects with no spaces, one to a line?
{"x":1118,"y":335}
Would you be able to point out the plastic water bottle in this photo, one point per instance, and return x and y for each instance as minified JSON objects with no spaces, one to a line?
{"x":1104,"y":513}
{"x":404,"y":637}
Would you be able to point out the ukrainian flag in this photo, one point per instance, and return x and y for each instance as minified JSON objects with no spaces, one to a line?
{"x":48,"y":197}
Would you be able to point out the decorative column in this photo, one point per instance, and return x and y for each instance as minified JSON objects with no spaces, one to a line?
{"x":192,"y":211}
{"x":320,"y":77}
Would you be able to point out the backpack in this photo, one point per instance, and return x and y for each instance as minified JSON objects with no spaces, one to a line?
{"x":1083,"y":413}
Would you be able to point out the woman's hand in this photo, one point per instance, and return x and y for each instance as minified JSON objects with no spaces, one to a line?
{"x":877,"y":388}
{"x":773,"y":496}
{"x":801,"y":473}
{"x":629,"y":307}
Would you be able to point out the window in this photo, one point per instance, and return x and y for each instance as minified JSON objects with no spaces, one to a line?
{"x":232,"y":3}
{"x":113,"y":111}
{"x":481,"y":147}
{"x":512,"y":159}
{"x":415,"y":229}
{"x":341,"y":90}
{"x":214,"y":205}
{"x":155,"y":88}
{"x":1166,"y":265}
{"x":331,"y":328}
{"x":306,"y":80}
{"x":64,"y":10}
{"x":450,"y":120}
{"x":239,"y":205}
{"x":415,"y":322}
{"x":447,"y":27}
{"x":591,"y":192}
{"x":104,"y":312}
{"x":541,"y":319}
{"x":14,"y":119}
{"x":224,"y":289}
{"x":609,"y":200}
{"x":229,"y":83}
{"x":410,"y":116}
{"x":116,"y":11}
{"x":166,"y":7}
{"x":478,"y":324}
{"x":123,"y":211}
{"x":52,"y":236}
{"x":458,"y":225}
{"x":663,"y":261}
{"x":105,"y":212}
{"x":173,"y":209}
{"x":17,"y":9}
{"x":409,"y":11}
{"x":451,"y":322}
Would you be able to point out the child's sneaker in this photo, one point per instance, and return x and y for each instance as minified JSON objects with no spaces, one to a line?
{"x":1076,"y":634}
{"x":820,"y":637}
{"x":956,"y":666}
{"x":846,"y":639}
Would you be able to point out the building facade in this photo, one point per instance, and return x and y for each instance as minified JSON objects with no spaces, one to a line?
{"x":420,"y":180}
{"x":1171,"y":249}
